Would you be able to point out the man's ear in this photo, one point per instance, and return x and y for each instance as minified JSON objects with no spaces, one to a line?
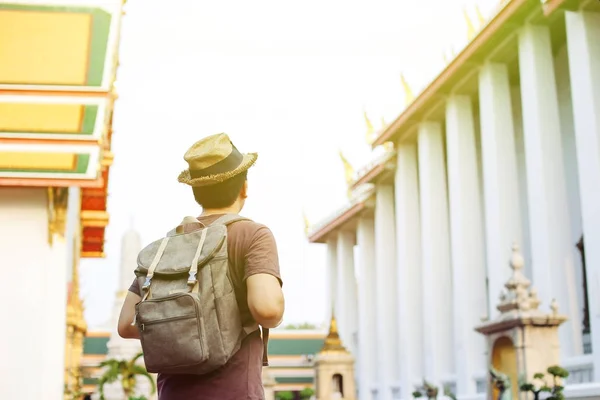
{"x":244,"y":191}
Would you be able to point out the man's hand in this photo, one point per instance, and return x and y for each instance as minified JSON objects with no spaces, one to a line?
{"x":125,"y":328}
{"x":265,"y":300}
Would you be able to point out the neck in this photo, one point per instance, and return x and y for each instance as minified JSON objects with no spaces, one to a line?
{"x":234,"y":209}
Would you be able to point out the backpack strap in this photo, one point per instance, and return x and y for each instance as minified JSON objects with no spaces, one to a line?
{"x":229,"y":219}
{"x":226,"y":220}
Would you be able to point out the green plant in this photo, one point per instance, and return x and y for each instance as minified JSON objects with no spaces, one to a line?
{"x":138,"y":398}
{"x":540,"y":385}
{"x":284,"y":396}
{"x":427,"y":390}
{"x":128,"y":372}
{"x":306,"y":393}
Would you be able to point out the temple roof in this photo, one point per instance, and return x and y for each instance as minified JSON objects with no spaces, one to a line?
{"x":57,"y":97}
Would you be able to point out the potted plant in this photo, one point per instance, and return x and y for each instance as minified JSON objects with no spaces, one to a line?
{"x":127,"y":371}
{"x":540,"y":385}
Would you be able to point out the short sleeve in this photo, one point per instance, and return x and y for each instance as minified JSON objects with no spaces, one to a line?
{"x":135,"y":288}
{"x":261,"y":256}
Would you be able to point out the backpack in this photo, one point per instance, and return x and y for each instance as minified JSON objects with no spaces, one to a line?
{"x":188,"y":318}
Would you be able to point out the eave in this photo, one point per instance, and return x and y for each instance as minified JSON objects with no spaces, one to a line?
{"x":344,"y":218}
{"x":376,"y":171}
{"x":497,"y":30}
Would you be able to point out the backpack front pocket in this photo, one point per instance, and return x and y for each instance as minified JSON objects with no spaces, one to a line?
{"x":172,"y":333}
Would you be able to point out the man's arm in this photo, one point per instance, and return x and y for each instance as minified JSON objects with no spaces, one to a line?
{"x":125,"y":329}
{"x":265,"y":299}
{"x":263,"y":282}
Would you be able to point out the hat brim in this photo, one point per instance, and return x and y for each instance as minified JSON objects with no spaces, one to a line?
{"x":248,"y":161}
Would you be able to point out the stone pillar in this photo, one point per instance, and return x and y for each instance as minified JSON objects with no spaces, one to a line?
{"x":466,"y":226}
{"x":385,"y":272}
{"x":435,"y":254}
{"x":346,"y":289}
{"x":408,"y":267}
{"x":583,"y":31}
{"x":367,"y":322}
{"x":500,"y":179}
{"x":552,"y":249}
{"x":29,"y":259}
{"x":331,"y":276}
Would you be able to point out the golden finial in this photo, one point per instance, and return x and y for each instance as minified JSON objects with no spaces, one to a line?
{"x":408,"y":94}
{"x":370,"y":129}
{"x":383,"y":123}
{"x":333,"y":341}
{"x":471,"y":33}
{"x":348,"y":169}
{"x":306,"y":223}
{"x":480,"y":17}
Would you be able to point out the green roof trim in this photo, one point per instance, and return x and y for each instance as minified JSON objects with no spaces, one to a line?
{"x":295,"y":347}
{"x":95,"y":345}
{"x":291,"y":379}
{"x":89,"y":119}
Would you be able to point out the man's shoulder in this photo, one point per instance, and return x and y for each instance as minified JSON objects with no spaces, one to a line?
{"x":250,"y":225}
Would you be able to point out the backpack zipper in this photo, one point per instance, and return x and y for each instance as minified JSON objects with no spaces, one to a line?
{"x":143,"y":324}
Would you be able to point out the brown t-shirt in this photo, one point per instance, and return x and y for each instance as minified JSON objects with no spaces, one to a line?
{"x":252,"y":250}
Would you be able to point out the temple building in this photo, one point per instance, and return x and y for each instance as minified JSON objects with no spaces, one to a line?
{"x":58,"y":63}
{"x":501,"y":147}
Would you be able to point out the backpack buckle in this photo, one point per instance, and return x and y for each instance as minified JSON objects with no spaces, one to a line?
{"x":192,"y":279}
{"x":147,"y":283}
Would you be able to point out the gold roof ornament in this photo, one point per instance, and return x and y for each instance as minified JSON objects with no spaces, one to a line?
{"x":471,"y":33}
{"x":408,"y":94}
{"x":75,"y":316}
{"x":388,"y":146}
{"x":306,"y":223}
{"x":384,"y":124}
{"x":480,"y":17}
{"x":370,"y":130}
{"x":333,"y":343}
{"x":348,"y":169}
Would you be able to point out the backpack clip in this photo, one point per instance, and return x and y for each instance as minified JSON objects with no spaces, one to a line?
{"x":147,"y":283}
{"x":192,"y":279}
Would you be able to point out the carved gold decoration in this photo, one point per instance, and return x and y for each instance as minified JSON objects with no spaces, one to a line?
{"x":480,"y":17}
{"x":76,"y":328}
{"x":348,"y":171}
{"x":94,"y":218}
{"x":370,"y":134}
{"x":58,"y":202}
{"x":408,"y":94}
{"x":107,"y":158}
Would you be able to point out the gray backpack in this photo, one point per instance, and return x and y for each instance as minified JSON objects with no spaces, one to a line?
{"x":189,"y":320}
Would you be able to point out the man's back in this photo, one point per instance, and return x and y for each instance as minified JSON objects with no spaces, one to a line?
{"x":251,"y":250}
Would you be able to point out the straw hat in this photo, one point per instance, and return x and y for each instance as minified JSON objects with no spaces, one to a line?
{"x":214,"y":159}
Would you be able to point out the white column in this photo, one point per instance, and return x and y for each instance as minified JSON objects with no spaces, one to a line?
{"x":367,"y":322}
{"x":331,"y":277}
{"x":410,"y":283}
{"x":500,"y":179}
{"x":583,"y":31}
{"x":549,"y":220}
{"x":346,"y":288}
{"x":385,"y":261}
{"x":435,"y":254}
{"x":28,"y":259}
{"x":468,"y":258}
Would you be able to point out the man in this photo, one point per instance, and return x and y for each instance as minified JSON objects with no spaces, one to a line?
{"x":217,"y":174}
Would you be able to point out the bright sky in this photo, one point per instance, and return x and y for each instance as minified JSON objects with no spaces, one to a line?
{"x":287,"y":79}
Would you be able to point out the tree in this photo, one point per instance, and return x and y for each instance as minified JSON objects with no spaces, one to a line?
{"x":306,"y":393}
{"x":540,"y":385}
{"x":127,"y":372}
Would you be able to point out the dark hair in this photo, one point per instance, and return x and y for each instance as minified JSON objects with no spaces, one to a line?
{"x":222,"y":194}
